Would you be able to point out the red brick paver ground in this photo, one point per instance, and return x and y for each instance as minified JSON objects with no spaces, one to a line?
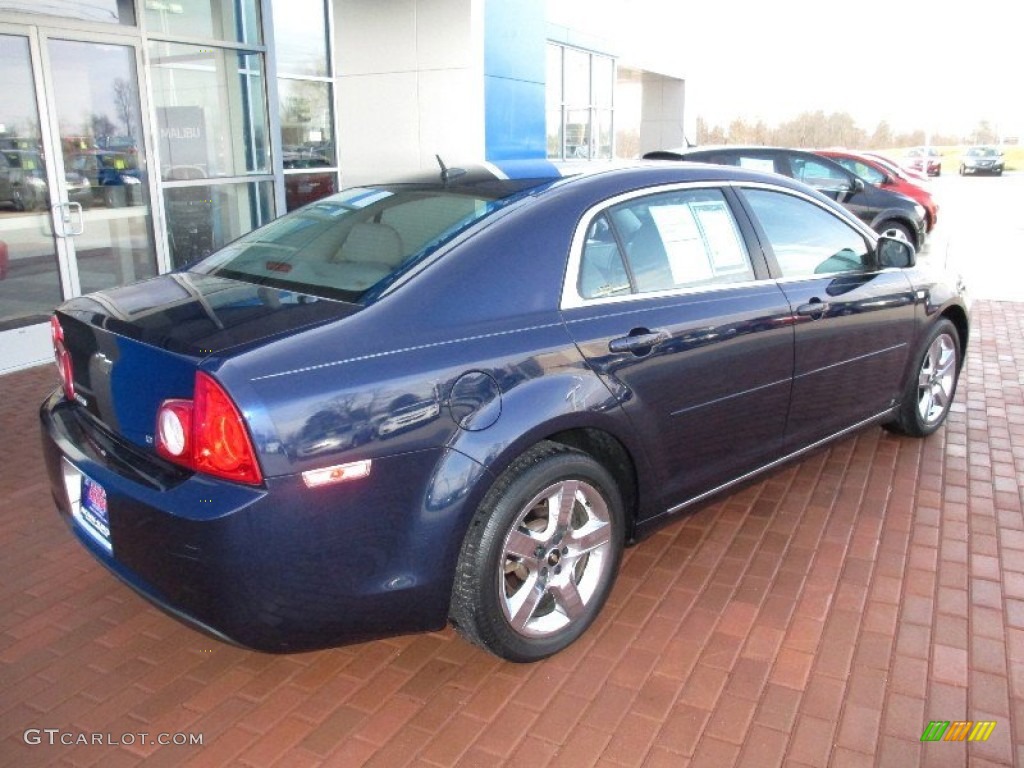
{"x":822,"y":616}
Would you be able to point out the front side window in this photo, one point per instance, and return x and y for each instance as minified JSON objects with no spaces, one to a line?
{"x":670,"y":241}
{"x":865,"y":171}
{"x":806,"y":239}
{"x":820,"y":175}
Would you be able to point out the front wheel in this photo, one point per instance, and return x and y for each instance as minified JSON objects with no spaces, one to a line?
{"x":540,"y":556}
{"x":898,"y":230}
{"x":929,"y":392}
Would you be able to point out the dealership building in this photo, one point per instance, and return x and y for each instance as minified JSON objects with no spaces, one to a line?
{"x":139,"y":135}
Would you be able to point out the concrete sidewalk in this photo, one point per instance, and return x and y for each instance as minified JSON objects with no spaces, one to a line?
{"x":822,"y":616}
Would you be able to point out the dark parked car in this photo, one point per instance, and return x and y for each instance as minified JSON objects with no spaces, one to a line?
{"x":982,"y":160}
{"x":556,"y":367}
{"x":886,"y":212}
{"x":114,"y":176}
{"x":885,"y":175}
{"x":23,"y":181}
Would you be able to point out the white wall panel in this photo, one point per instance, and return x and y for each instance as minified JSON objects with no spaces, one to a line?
{"x":410,"y":85}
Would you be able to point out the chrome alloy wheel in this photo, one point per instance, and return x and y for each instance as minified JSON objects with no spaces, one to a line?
{"x":936,"y":379}
{"x":555,"y":558}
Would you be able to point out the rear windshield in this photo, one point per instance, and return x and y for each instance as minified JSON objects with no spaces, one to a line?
{"x":352,"y":245}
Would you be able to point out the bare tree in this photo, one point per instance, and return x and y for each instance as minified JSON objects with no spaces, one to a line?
{"x":124,"y":100}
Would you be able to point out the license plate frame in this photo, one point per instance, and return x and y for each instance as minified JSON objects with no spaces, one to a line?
{"x":89,"y":505}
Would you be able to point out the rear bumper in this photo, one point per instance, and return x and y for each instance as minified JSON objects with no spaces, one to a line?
{"x":275,"y":568}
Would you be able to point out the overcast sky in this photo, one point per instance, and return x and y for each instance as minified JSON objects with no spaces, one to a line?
{"x":917,"y":64}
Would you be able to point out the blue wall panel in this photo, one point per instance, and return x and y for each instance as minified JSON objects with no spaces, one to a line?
{"x":514,"y":73}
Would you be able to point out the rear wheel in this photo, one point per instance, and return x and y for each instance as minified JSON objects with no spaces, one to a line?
{"x":929,"y":392}
{"x":540,"y":556}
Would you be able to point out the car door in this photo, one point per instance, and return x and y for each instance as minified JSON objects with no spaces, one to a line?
{"x":853,"y":320}
{"x":671,"y":306}
{"x":834,"y":181}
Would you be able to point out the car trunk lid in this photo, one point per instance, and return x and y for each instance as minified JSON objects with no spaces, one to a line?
{"x":133,"y":347}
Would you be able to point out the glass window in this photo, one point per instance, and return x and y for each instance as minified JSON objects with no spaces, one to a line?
{"x":211,"y":111}
{"x":234,"y":20}
{"x":865,"y":171}
{"x":300,"y":37}
{"x":104,"y":160}
{"x":304,"y":188}
{"x":345,"y":245}
{"x":820,"y":175}
{"x":103,"y":11}
{"x":602,"y":272}
{"x":806,"y":239}
{"x":201,"y":219}
{"x":553,"y":98}
{"x":307,"y":133}
{"x":580,"y":87}
{"x":673,"y":240}
{"x":577,"y":78}
{"x":29,"y":274}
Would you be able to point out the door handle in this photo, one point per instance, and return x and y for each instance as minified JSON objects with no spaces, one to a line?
{"x":813,"y":308}
{"x":639,"y":341}
{"x":62,"y":212}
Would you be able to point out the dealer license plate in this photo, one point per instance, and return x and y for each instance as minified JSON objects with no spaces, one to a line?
{"x":92,"y":511}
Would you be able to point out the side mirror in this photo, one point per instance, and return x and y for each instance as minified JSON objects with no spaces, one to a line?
{"x":894,"y":252}
{"x":889,"y":179}
{"x":858,"y":184}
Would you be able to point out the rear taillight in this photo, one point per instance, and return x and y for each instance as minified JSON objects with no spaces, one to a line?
{"x":62,"y":358}
{"x":207,"y":434}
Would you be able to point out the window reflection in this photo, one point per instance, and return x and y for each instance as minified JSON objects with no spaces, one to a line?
{"x":201,"y":219}
{"x":304,"y":188}
{"x":307,"y":135}
{"x":234,"y":20}
{"x":103,"y":11}
{"x":211,"y":111}
{"x":97,"y":107}
{"x":29,"y":281}
{"x":580,"y":88}
{"x":300,"y":37}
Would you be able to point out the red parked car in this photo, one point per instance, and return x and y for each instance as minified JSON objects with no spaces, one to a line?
{"x":901,"y":170}
{"x":888,"y":176}
{"x":927,"y":160}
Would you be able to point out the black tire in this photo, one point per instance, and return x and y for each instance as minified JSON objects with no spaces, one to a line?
{"x":931,"y":385}
{"x":528,"y":582}
{"x":962,"y":170}
{"x":898,"y":229}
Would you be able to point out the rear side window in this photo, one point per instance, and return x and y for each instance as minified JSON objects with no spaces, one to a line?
{"x":673,"y":240}
{"x":806,"y":239}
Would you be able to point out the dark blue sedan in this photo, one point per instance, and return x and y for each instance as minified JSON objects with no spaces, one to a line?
{"x":457,"y":398}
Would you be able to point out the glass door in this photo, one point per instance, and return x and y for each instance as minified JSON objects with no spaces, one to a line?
{"x":75,"y":212}
{"x":103,"y":210}
{"x":30,"y":270}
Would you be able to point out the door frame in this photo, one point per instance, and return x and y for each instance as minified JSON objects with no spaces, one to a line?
{"x":22,"y":345}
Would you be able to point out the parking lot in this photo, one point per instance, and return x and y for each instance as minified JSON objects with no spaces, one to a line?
{"x":821,"y":616}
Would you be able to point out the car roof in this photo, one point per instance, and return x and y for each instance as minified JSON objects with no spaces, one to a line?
{"x":629,"y":174}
